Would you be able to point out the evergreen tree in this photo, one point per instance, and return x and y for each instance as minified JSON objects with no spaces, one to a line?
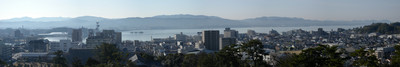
{"x":286,"y":60}
{"x":77,"y":62}
{"x":59,"y":60}
{"x":255,"y":52}
{"x":173,"y":60}
{"x":321,"y":56}
{"x":364,"y":58}
{"x":206,"y":60}
{"x":109,"y":53}
{"x":189,"y":60}
{"x":2,"y":63}
{"x":395,"y":62}
{"x":130,"y":64}
{"x":91,"y":62}
{"x":228,"y":56}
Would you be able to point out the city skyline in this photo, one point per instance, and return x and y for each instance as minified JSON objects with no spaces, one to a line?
{"x":199,"y":33}
{"x":232,"y":9}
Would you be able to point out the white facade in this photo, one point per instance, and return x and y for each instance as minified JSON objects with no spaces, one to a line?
{"x":63,"y":45}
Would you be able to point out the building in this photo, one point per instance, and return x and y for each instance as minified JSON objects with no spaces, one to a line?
{"x":63,"y":45}
{"x":320,"y":32}
{"x":274,"y":32}
{"x":210,"y":39}
{"x":228,"y":33}
{"x":77,"y":35}
{"x":137,"y":60}
{"x":107,"y":36}
{"x":18,"y":34}
{"x":251,"y":32}
{"x":38,"y":45}
{"x":5,"y":51}
{"x":226,"y":41}
{"x":33,"y":56}
{"x":80,"y":54}
{"x":33,"y":64}
{"x":180,"y":37}
{"x":199,"y":45}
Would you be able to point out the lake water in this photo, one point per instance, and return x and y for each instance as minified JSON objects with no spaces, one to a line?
{"x":164,"y":33}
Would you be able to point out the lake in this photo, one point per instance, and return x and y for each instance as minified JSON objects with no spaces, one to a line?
{"x":164,"y":33}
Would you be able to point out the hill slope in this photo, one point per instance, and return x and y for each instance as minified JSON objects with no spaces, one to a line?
{"x":181,"y":21}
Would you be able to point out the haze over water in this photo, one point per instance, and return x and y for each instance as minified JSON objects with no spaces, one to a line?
{"x":165,"y":33}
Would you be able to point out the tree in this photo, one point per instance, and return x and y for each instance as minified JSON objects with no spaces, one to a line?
{"x":77,"y":62}
{"x":130,"y":64}
{"x":147,"y":57}
{"x":396,"y":58}
{"x":384,"y":28}
{"x":109,"y":53}
{"x":286,"y":60}
{"x":228,"y":56}
{"x":364,"y":58}
{"x":206,"y":60}
{"x":2,"y":63}
{"x":173,"y":60}
{"x":189,"y":60}
{"x":59,"y":60}
{"x":321,"y":56}
{"x":254,"y":49}
{"x":92,"y":62}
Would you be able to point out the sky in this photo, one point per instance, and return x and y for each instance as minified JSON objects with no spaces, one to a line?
{"x":229,"y":9}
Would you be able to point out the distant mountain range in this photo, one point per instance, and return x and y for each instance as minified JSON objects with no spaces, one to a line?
{"x":181,"y":21}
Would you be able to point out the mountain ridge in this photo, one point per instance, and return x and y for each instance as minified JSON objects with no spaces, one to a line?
{"x":179,"y":21}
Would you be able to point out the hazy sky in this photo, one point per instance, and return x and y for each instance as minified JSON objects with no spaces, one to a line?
{"x":230,"y":9}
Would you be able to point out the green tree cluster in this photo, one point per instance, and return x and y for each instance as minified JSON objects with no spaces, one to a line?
{"x":173,"y":60}
{"x":384,"y":28}
{"x":326,"y":56}
{"x":395,"y":62}
{"x":59,"y":60}
{"x":364,"y":58}
{"x":230,"y":56}
{"x":2,"y":63}
{"x":77,"y":62}
{"x":321,"y":56}
{"x":254,"y":48}
{"x":107,"y":55}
